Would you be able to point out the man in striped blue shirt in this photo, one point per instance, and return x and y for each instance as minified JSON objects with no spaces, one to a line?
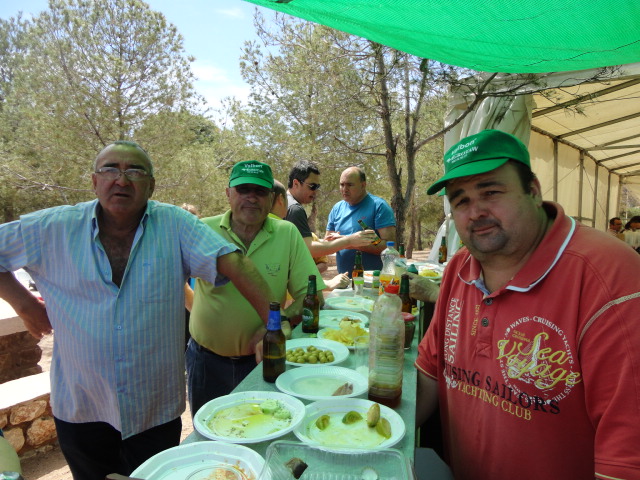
{"x":111,"y":273}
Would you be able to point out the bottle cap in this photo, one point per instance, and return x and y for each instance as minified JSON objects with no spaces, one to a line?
{"x":412,"y":268}
{"x":376,"y":273}
{"x":392,"y":288}
{"x":408,"y":317}
{"x":390,"y":244}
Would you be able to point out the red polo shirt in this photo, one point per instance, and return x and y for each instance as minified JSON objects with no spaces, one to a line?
{"x":541,"y":379}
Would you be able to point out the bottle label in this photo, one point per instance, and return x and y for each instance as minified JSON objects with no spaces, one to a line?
{"x":307,"y":317}
{"x":358,"y":280}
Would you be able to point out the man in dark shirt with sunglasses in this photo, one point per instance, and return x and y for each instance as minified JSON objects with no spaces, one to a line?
{"x":304,"y":183}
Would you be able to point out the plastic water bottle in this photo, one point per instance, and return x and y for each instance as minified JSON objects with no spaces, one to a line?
{"x":386,"y":349}
{"x":388,"y":273}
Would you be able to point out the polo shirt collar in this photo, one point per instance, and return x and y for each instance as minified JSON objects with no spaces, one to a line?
{"x":542,"y":261}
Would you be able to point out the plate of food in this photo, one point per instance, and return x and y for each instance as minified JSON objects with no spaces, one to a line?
{"x":202,"y":461}
{"x":332,"y":318}
{"x":350,"y":424}
{"x":353,"y":304}
{"x":322,"y":383}
{"x":315,"y":352}
{"x":249,"y":417}
{"x":345,"y":334}
{"x":432,"y":272}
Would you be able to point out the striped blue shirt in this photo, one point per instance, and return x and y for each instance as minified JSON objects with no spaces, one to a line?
{"x":118,"y":351}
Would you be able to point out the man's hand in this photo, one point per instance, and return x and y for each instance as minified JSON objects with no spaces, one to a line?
{"x":362,"y":238}
{"x":255,"y":344}
{"x":423,"y":289}
{"x":26,"y":305}
{"x":341,"y":280}
{"x":35,"y":318}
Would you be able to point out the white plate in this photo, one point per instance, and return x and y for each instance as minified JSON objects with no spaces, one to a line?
{"x":320,"y":383}
{"x":187,"y":461}
{"x":323,"y":332}
{"x":432,"y":268}
{"x":340,"y":352}
{"x":264,"y":430}
{"x":353,"y":304}
{"x":353,"y":437}
{"x":332,"y":318}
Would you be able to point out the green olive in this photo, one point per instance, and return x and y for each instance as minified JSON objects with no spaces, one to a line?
{"x":351,"y":417}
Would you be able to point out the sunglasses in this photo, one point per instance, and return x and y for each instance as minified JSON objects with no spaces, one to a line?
{"x":255,"y":189}
{"x":312,"y":186}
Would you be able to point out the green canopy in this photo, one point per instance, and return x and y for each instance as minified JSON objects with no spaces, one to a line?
{"x":514,"y":36}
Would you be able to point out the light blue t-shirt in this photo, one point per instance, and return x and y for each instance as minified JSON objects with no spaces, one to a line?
{"x":343,"y":218}
{"x":118,"y":351}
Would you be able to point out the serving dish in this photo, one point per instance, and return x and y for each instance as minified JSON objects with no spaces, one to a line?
{"x":340,"y":352}
{"x":332,"y":318}
{"x":244,"y":417}
{"x":353,"y":304}
{"x":322,"y":383}
{"x":202,"y":460}
{"x":346,"y":337}
{"x":388,"y":464}
{"x":338,"y":436}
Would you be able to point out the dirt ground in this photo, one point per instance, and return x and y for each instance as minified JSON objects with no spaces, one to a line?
{"x":51,"y":465}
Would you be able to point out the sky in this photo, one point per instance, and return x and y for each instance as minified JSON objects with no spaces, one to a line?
{"x":213,"y":30}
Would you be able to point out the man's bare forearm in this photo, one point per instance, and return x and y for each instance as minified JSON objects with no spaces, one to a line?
{"x":30,"y":309}
{"x":426,"y":398}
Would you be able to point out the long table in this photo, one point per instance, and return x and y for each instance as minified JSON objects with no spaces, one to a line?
{"x":429,"y":462}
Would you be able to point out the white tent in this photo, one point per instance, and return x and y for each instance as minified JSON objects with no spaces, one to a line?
{"x":582,"y":159}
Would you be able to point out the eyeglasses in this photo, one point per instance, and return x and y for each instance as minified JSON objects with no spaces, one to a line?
{"x":312,"y":186}
{"x":255,"y":189}
{"x":133,"y":174}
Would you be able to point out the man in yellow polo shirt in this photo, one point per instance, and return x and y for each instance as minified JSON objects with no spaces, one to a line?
{"x":224,"y":327}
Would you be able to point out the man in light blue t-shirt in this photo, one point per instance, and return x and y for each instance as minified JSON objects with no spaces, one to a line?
{"x":356,"y":205}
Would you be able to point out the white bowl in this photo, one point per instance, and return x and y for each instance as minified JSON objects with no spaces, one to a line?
{"x":185,"y":461}
{"x":210,"y":409}
{"x":321,"y":383}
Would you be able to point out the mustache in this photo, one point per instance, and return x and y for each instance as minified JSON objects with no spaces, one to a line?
{"x":484,"y":223}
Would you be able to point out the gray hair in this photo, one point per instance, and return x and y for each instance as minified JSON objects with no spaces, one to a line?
{"x":127,"y":144}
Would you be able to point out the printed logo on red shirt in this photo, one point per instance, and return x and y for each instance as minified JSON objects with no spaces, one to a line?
{"x":535,"y":354}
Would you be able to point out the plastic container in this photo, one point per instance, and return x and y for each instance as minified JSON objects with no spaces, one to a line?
{"x":389,"y":464}
{"x":375,"y":281}
{"x":386,"y":349}
{"x":388,"y":273}
{"x":409,"y":329}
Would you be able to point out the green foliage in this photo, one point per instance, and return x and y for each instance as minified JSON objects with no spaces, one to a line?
{"x":86,"y":73}
{"x":340,"y":100}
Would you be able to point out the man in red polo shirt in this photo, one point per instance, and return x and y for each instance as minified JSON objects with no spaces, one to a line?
{"x":533,"y":353}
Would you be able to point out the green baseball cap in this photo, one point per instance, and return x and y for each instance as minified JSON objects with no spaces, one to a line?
{"x":251,"y":171}
{"x":480,"y":153}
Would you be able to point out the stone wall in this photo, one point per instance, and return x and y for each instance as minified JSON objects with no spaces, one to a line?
{"x":25,"y":411}
{"x":19,"y":356}
{"x":25,"y":414}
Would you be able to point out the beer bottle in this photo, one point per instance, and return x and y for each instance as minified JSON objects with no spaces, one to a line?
{"x":414,"y":303}
{"x":357,"y":275}
{"x":365,"y":227}
{"x":401,"y":250}
{"x":407,"y":304}
{"x":311,"y":308}
{"x":442,"y":251}
{"x":273,"y":346}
